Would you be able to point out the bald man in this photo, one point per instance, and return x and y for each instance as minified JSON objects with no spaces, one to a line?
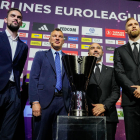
{"x":103,"y":92}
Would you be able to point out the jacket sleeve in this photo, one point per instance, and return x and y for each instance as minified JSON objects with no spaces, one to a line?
{"x":115,"y":94}
{"x":120,"y":74}
{"x":34,"y":77}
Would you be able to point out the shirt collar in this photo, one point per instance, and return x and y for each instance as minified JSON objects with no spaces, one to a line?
{"x":9,"y":35}
{"x":100,"y":63}
{"x":53,"y":51}
{"x":131,"y":42}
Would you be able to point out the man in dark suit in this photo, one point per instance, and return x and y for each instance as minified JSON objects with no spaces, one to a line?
{"x":13,"y":54}
{"x":103,"y":92}
{"x":49,"y":90}
{"x":127,"y":73}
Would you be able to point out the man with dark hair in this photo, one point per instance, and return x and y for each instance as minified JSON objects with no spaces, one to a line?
{"x":49,"y":91}
{"x":103,"y":92}
{"x":13,"y":54}
{"x":127,"y":72}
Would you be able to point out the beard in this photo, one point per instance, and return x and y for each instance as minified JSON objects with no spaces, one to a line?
{"x":134,"y":34}
{"x":13,"y":28}
{"x":99,"y":58}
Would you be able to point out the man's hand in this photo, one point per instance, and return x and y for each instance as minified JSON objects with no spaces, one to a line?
{"x":98,"y":110}
{"x":137,"y":91}
{"x":36,"y":109}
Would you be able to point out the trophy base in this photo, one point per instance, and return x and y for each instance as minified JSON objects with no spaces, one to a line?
{"x":77,"y":112}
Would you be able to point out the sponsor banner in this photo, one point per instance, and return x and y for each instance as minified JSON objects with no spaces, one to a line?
{"x":73,"y":46}
{"x":108,"y":48}
{"x":72,"y":38}
{"x":28,"y":111}
{"x":97,"y":40}
{"x":65,"y":38}
{"x":109,"y":58}
{"x":120,"y":114}
{"x":86,"y":39}
{"x":120,"y":42}
{"x":84,"y":46}
{"x":35,"y":43}
{"x":1,"y":23}
{"x":84,"y":53}
{"x":33,"y":35}
{"x":44,"y":43}
{"x":29,"y":65}
{"x":64,"y":45}
{"x":71,"y":52}
{"x":25,"y":25}
{"x":69,"y":29}
{"x":21,"y":75}
{"x":108,"y":41}
{"x":115,"y":33}
{"x":22,"y":34}
{"x":34,"y":50}
{"x":119,"y":101}
{"x":45,"y":27}
{"x":25,"y":41}
{"x":28,"y":76}
{"x":92,"y":31}
{"x":45,"y":36}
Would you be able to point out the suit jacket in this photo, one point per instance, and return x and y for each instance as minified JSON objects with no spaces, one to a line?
{"x":43,"y":80}
{"x":6,"y":63}
{"x":106,"y":92}
{"x":127,"y":73}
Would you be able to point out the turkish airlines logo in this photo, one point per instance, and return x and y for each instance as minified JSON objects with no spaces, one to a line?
{"x":71,"y":52}
{"x":45,"y":36}
{"x":115,"y":33}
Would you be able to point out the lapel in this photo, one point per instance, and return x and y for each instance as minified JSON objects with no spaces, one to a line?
{"x":19,"y":46}
{"x":7,"y":43}
{"x":49,"y":55}
{"x":94,"y":78}
{"x":63,"y":70}
{"x":103,"y":73}
{"x":129,"y":50}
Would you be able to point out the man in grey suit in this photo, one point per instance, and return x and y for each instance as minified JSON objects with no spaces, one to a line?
{"x":127,"y":72}
{"x":103,"y":92}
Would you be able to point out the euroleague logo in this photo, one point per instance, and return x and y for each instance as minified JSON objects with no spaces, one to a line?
{"x":92,"y":30}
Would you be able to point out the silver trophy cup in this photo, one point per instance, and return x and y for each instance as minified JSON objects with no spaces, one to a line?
{"x":79,"y":70}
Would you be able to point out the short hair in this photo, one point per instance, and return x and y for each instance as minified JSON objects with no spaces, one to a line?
{"x":57,"y":29}
{"x":131,"y":18}
{"x":14,"y":9}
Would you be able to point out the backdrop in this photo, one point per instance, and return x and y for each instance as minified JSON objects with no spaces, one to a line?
{"x":82,"y":22}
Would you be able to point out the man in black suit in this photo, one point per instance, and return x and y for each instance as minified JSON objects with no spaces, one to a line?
{"x":127,"y":73}
{"x":13,"y":54}
{"x":103,"y":92}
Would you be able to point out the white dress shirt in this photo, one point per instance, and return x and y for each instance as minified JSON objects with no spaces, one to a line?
{"x":100,"y":67}
{"x":132,"y":45}
{"x":13,"y":44}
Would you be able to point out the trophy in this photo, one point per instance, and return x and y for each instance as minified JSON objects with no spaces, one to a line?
{"x":79,"y":70}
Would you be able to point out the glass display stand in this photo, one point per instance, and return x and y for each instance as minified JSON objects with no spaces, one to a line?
{"x":81,"y":128}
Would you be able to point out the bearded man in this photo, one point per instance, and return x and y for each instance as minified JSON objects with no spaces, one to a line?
{"x":127,"y":72}
{"x":13,"y":54}
{"x":103,"y":92}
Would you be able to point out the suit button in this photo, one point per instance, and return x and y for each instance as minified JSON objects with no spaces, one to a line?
{"x":53,"y":85}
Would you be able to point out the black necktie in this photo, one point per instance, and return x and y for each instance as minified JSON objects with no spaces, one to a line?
{"x":97,"y":72}
{"x":135,"y":52}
